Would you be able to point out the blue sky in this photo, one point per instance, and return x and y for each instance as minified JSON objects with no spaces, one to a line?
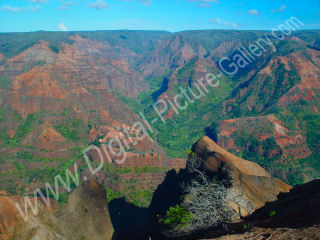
{"x":170,"y":15}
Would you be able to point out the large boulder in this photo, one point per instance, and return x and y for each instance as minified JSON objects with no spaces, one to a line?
{"x":294,"y":215}
{"x":248,"y":179}
{"x":216,"y":187}
{"x":12,"y":224}
{"x":85,"y":216}
{"x":295,"y":209}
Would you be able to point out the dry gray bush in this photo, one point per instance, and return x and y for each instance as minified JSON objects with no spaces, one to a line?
{"x":205,"y":198}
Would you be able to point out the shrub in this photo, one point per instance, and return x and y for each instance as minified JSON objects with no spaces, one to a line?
{"x":177,"y":217}
{"x":245,"y":227}
{"x":206,"y":198}
{"x":272,"y":213}
{"x":208,"y":204}
{"x":189,"y":151}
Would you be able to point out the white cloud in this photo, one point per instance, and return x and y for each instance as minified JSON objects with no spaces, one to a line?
{"x":204,"y":3}
{"x":223,"y":23}
{"x":66,"y":5}
{"x":35,"y":9}
{"x":38,"y":1}
{"x":280,"y":9}
{"x":62,"y":27}
{"x":13,"y":9}
{"x":144,"y":2}
{"x":99,"y":5}
{"x":254,"y":12}
{"x":22,"y":9}
{"x":234,"y":25}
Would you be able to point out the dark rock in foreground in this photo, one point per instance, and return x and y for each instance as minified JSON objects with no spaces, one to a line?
{"x":86,"y":216}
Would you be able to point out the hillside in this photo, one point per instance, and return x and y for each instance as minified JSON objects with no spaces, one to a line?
{"x":267,"y":112}
{"x":59,"y":96}
{"x":249,"y":204}
{"x":60,"y":92}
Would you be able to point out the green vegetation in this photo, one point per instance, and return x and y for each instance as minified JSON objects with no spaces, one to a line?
{"x":252,"y":151}
{"x":189,"y":151}
{"x":136,"y":41}
{"x":136,"y":195}
{"x":272,"y":213}
{"x":184,"y":129}
{"x":252,"y":147}
{"x":25,"y":127}
{"x":313,"y":132}
{"x":11,"y":44}
{"x":111,"y":194}
{"x":284,"y":48}
{"x":313,"y":138}
{"x":177,"y":217}
{"x":285,"y":80}
{"x":157,"y":84}
{"x":55,"y":48}
{"x":69,"y":134}
{"x":39,"y":63}
{"x":239,"y":96}
{"x":245,"y":227}
{"x":134,"y":105}
{"x":4,"y":82}
{"x":72,"y":130}
{"x":289,"y":120}
{"x":147,"y":169}
{"x":187,"y":72}
{"x":139,"y":197}
{"x":31,"y":157}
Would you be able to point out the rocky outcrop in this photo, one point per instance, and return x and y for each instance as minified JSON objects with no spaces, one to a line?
{"x":10,"y":218}
{"x":255,"y":185}
{"x":242,"y":186}
{"x":294,"y":215}
{"x":85,"y":216}
{"x":310,"y":233}
{"x":298,"y":208}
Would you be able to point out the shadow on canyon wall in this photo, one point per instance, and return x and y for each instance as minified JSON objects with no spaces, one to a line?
{"x":129,"y":221}
{"x":132,"y":222}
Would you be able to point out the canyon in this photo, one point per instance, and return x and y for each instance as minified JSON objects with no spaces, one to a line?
{"x":61,"y":92}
